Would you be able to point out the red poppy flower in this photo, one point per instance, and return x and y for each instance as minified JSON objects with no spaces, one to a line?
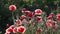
{"x":50,"y":15}
{"x":12,"y":27}
{"x":12,"y":7}
{"x":49,"y":22}
{"x":54,"y":25}
{"x":22,"y":16}
{"x":30,"y":15}
{"x":14,"y":30}
{"x":18,"y":22}
{"x":24,"y":9}
{"x":58,"y":16}
{"x":8,"y":30}
{"x":27,"y":12}
{"x":38,"y":11}
{"x":21,"y":29}
{"x":39,"y":18}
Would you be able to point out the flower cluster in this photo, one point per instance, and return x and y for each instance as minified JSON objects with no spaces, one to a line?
{"x":14,"y":29}
{"x":23,"y":22}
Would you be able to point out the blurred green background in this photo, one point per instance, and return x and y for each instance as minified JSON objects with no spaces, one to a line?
{"x":47,"y":6}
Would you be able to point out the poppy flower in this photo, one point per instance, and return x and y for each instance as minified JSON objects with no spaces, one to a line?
{"x":12,"y":7}
{"x":38,"y":11}
{"x":22,"y":16}
{"x":12,"y":27}
{"x":39,"y":18}
{"x":24,"y":9}
{"x":50,"y":15}
{"x":21,"y":29}
{"x":18,"y":22}
{"x":58,"y":16}
{"x":8,"y":30}
{"x":14,"y":30}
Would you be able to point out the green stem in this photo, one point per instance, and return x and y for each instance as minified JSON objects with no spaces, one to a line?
{"x":17,"y":14}
{"x":13,"y":18}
